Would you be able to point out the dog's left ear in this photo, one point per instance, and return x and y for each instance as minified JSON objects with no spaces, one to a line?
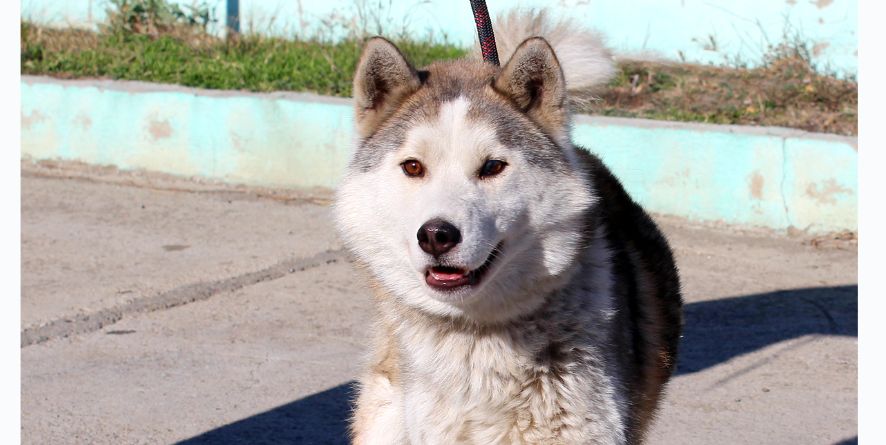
{"x":534,"y":81}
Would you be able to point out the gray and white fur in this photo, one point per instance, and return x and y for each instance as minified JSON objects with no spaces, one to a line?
{"x":528,"y":302}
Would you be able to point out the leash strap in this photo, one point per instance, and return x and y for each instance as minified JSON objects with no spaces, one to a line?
{"x":484,"y":31}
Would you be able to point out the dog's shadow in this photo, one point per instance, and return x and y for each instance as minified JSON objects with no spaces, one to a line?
{"x":714,"y":332}
{"x":320,"y":418}
{"x":718,"y":330}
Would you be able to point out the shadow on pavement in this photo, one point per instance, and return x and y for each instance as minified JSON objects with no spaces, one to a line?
{"x":718,"y":330}
{"x":715,"y":331}
{"x":316,"y":419}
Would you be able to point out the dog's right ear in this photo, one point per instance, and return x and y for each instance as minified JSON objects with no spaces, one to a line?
{"x":383,"y":79}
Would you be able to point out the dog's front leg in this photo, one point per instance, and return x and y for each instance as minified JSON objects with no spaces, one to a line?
{"x":378,"y":417}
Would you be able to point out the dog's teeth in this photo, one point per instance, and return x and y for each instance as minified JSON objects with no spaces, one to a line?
{"x":447,"y":276}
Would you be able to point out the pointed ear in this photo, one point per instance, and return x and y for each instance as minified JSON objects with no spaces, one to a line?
{"x":383,"y":79}
{"x":534,"y":81}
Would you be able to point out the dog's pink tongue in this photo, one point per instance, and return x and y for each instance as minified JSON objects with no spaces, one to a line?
{"x":446,"y":274}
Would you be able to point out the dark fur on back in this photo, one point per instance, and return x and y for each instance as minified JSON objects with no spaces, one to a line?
{"x":646,"y":292}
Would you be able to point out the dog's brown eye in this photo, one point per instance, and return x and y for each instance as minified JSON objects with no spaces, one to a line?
{"x":413,"y":168}
{"x":492,"y":167}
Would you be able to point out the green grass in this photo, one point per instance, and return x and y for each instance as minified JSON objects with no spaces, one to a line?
{"x":787,"y":90}
{"x":198,"y":60}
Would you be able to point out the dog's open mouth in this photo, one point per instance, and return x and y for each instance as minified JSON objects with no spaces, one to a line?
{"x":451,"y":278}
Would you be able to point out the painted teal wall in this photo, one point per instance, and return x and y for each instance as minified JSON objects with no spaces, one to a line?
{"x":702,"y":31}
{"x":776,"y":178}
{"x":282,"y":140}
{"x":767,"y":177}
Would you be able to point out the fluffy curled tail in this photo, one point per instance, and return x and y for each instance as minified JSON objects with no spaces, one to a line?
{"x":586,"y":61}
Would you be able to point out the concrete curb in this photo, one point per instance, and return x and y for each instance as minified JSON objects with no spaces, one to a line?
{"x":760,"y":176}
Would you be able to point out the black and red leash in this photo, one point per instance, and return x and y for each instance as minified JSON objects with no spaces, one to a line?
{"x":484,"y":31}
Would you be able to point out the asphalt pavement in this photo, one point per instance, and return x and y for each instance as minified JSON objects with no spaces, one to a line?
{"x":160,"y":310}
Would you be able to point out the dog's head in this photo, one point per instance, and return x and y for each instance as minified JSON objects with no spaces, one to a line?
{"x":463,"y":196}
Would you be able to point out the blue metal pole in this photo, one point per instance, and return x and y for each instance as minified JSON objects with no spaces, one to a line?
{"x":232,"y":17}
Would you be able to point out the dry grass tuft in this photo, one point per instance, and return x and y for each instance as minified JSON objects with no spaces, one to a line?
{"x":786,"y":91}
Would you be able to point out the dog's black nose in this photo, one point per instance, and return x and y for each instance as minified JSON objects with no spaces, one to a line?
{"x":437,"y":237}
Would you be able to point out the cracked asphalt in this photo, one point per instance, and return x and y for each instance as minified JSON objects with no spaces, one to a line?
{"x":163,"y":310}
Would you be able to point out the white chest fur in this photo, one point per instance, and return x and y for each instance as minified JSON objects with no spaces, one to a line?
{"x":533,"y":382}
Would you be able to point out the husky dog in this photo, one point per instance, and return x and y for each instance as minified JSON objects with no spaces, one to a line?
{"x":522,"y":296}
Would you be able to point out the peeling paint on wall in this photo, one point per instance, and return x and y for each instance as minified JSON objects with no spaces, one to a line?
{"x":32,"y":118}
{"x":826,"y":192}
{"x":756,"y":185}
{"x":84,"y":121}
{"x":159,"y":129}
